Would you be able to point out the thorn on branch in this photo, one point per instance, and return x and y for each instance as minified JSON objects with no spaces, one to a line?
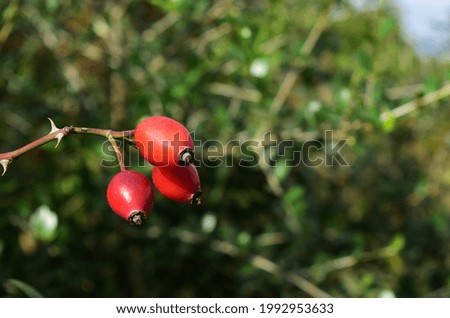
{"x":4,"y":163}
{"x":54,"y":129}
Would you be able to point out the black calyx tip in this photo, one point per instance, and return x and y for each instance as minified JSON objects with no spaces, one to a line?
{"x":197,"y":198}
{"x":137,"y":217}
{"x":186,"y":157}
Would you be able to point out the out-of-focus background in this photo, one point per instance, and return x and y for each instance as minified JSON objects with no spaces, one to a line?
{"x":374,"y":225}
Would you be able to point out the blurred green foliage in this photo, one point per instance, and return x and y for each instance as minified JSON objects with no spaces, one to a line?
{"x":231,"y":71}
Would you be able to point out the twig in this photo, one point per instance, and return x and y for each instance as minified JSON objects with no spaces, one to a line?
{"x":255,"y":260}
{"x":280,"y":98}
{"x":415,"y":104}
{"x":200,"y":45}
{"x":244,"y":94}
{"x":59,"y":133}
{"x":399,"y":92}
{"x":116,"y":150}
{"x":160,"y":26}
{"x":353,"y":260}
{"x":284,"y":91}
{"x":268,"y":266}
{"x":315,"y":32}
{"x":291,"y":77}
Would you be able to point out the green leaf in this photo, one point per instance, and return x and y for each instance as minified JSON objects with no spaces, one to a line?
{"x":24,"y":287}
{"x":385,"y":27}
{"x":432,"y":83}
{"x":169,"y":5}
{"x":52,"y":5}
{"x":397,"y":244}
{"x":281,"y":170}
{"x":243,"y":239}
{"x":364,"y":60}
{"x":294,"y":194}
{"x":294,"y":197}
{"x":389,"y":123}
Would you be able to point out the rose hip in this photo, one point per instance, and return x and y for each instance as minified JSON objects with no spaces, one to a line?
{"x":130,"y":195}
{"x":180,"y":184}
{"x":163,"y":141}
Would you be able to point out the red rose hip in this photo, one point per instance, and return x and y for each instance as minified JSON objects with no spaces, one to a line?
{"x":163,"y":141}
{"x":130,"y":195}
{"x":180,"y":184}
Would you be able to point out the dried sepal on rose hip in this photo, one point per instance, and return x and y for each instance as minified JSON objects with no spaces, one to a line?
{"x":163,"y":141}
{"x":130,"y":195}
{"x":180,"y":184}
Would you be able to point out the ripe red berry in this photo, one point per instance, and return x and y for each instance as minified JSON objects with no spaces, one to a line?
{"x":130,"y":195}
{"x":163,"y":141}
{"x":177,"y":183}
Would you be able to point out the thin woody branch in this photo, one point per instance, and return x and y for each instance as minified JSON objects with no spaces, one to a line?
{"x":58,"y":134}
{"x":411,"y":106}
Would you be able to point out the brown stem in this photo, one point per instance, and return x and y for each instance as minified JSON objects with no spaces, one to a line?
{"x":37,"y":143}
{"x":103,"y":132}
{"x":116,"y":150}
{"x":7,"y":157}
